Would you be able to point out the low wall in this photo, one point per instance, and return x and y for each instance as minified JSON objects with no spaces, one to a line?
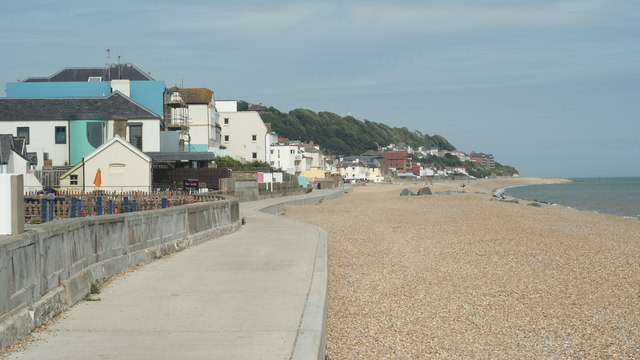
{"x":278,"y":208}
{"x":247,"y":190}
{"x":46,"y":270}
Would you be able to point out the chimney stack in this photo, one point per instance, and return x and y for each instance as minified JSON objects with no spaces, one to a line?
{"x":120,"y":127}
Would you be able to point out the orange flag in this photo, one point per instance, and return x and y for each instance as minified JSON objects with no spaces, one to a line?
{"x":97,"y":181}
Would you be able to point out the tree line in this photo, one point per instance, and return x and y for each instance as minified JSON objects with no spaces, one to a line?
{"x":345,"y":135}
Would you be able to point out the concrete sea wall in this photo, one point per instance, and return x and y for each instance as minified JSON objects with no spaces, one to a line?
{"x":47,"y":269}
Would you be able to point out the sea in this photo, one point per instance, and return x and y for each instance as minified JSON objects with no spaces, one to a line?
{"x":619,"y":196}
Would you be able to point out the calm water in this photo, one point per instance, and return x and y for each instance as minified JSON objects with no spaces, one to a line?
{"x":614,"y":196}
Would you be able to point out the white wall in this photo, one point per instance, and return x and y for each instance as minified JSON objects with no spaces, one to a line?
{"x":120,"y":167}
{"x":226,"y":105}
{"x":41,"y":139}
{"x":202,"y":119}
{"x":10,"y":201}
{"x":17,"y":164}
{"x":121,"y":85}
{"x":242,"y":125}
{"x":284,"y":157}
{"x":150,"y":133}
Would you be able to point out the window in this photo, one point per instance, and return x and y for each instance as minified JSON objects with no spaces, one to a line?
{"x":23,"y":132}
{"x":226,"y":121}
{"x":95,"y":78}
{"x":135,"y":136}
{"x":254,"y":155}
{"x":95,"y":133}
{"x":73,"y":179}
{"x":226,"y":138}
{"x":61,"y":134}
{"x":292,"y":151}
{"x":254,"y":137}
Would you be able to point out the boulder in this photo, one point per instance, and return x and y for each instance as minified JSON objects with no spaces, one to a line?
{"x":536,"y":205}
{"x":407,"y":192}
{"x":424,"y":191}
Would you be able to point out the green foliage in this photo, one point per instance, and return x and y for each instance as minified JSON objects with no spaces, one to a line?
{"x":243,"y":105}
{"x":476,"y":170}
{"x":345,"y":135}
{"x":446,"y":160}
{"x":228,"y":162}
{"x":350,"y":136}
{"x":95,"y":289}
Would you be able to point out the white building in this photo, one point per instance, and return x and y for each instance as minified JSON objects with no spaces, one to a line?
{"x":244,"y":134}
{"x":455,"y":170}
{"x":358,"y":171}
{"x":289,"y":158}
{"x":122,"y":167}
{"x":195,"y":110}
{"x":13,"y":160}
{"x":64,"y":130}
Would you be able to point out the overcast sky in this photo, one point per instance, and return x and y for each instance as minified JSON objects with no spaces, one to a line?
{"x":548,"y":86}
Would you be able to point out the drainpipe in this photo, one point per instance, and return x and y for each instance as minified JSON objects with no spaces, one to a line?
{"x":83,"y":179}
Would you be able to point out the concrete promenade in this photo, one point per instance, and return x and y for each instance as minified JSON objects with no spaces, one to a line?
{"x":259,"y":293}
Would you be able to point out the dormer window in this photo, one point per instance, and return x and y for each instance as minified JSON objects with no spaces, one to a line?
{"x":95,"y":78}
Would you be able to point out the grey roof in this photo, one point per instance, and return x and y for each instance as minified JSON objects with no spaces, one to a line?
{"x":113,"y":105}
{"x":107,"y":73}
{"x":347,"y":164}
{"x":10,"y":143}
{"x":20,"y":145}
{"x":310,"y":149}
{"x":183,"y":155}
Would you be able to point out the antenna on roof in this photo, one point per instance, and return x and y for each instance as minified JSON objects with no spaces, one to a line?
{"x":119,"y":69}
{"x":109,"y":64}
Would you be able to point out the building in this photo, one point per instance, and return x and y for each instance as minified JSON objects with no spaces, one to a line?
{"x":359,"y":171}
{"x":456,"y":170}
{"x":397,"y":160}
{"x":122,"y":167}
{"x":94,"y":82}
{"x":290,"y":158}
{"x":486,"y":160}
{"x":243,"y":133}
{"x":14,"y":160}
{"x":64,"y":130}
{"x":193,"y":113}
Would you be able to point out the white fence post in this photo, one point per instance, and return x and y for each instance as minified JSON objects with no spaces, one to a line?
{"x":11,"y":204}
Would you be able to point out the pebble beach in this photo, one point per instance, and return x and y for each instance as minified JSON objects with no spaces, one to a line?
{"x":461,"y":275}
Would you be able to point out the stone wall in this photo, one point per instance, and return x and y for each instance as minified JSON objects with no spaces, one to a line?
{"x":51,"y":267}
{"x":252,"y":190}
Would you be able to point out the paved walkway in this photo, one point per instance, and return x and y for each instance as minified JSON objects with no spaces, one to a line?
{"x":259,"y":293}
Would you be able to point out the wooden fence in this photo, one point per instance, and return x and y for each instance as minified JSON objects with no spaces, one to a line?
{"x":75,"y":204}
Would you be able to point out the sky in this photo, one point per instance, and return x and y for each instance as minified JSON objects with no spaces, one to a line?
{"x":550,"y":87}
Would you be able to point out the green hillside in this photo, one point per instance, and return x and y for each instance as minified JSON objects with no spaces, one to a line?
{"x":344,"y":135}
{"x":349,"y":136}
